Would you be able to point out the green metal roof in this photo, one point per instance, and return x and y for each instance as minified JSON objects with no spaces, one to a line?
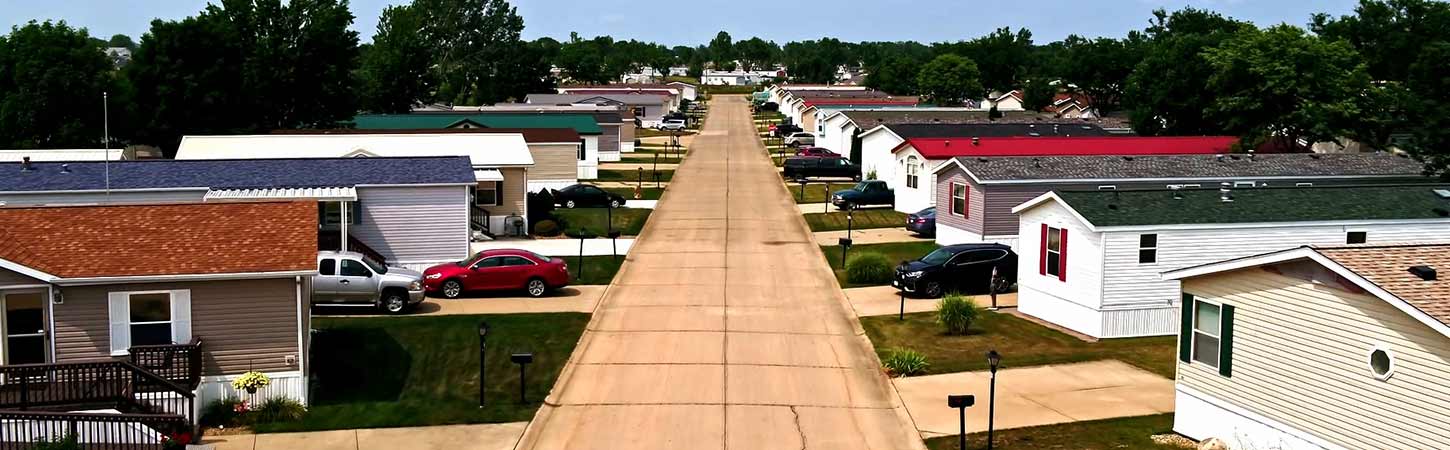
{"x":582,"y":123}
{"x":1256,"y":205}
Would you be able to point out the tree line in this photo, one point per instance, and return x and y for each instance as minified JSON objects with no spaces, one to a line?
{"x":245,"y":66}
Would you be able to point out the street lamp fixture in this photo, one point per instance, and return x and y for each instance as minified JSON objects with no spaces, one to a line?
{"x":994,"y":360}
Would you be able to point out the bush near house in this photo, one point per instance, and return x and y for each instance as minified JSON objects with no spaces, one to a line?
{"x":868,"y":268}
{"x":895,"y":252}
{"x":903,"y":362}
{"x":955,"y":313}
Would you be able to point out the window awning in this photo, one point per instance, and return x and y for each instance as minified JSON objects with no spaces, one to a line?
{"x":487,"y":175}
{"x":320,"y":193}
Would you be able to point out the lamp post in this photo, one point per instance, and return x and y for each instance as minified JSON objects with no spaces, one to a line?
{"x":482,"y":360}
{"x":994,"y":360}
{"x":961,"y":403}
{"x":901,"y":315}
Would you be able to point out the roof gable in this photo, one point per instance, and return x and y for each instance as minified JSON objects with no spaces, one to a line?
{"x":1149,"y":208}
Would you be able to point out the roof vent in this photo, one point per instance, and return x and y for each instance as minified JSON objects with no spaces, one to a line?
{"x":1224,"y":193}
{"x":1442,"y":212}
{"x":1127,"y":158}
{"x":1034,"y":134}
{"x":978,"y":141}
{"x":1113,"y":206}
{"x":1443,"y":193}
{"x":981,"y":159}
{"x":65,"y":168}
{"x":1177,"y":195}
{"x":1218,"y":157}
{"x":25,"y":164}
{"x":947,"y":143}
{"x":1426,"y":273}
{"x":1054,"y":129}
{"x":1036,"y":163}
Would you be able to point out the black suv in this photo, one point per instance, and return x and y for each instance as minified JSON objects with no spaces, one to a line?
{"x":785,"y":129}
{"x":803,"y":167}
{"x":964,"y":268}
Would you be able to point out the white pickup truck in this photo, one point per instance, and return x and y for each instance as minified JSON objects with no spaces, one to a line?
{"x":351,"y":279}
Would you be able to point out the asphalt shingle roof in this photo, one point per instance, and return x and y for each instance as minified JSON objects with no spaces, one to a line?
{"x":1388,"y":266}
{"x":236,"y":173}
{"x":1190,"y":166}
{"x":583,"y":123}
{"x":1257,"y":205}
{"x":995,"y":129}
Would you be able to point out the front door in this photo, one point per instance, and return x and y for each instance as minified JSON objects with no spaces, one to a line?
{"x":24,"y":328}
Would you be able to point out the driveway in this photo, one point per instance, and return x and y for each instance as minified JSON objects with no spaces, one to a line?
{"x":886,"y":301}
{"x":559,"y":246}
{"x":1042,"y":395}
{"x":870,"y":236}
{"x":491,"y":436}
{"x":569,"y":299}
{"x":725,"y":329}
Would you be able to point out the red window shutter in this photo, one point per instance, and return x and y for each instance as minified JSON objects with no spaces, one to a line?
{"x":966,"y":200}
{"x":1042,"y":259}
{"x":1062,"y":255}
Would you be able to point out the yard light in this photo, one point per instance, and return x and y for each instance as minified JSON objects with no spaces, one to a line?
{"x":901,"y":315}
{"x":614,"y":244}
{"x":523,"y":360}
{"x":845,"y":244}
{"x":961,"y":403}
{"x":994,"y":360}
{"x":482,"y":361}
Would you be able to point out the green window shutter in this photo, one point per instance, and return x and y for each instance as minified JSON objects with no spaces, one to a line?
{"x":1185,"y":331}
{"x":1226,"y":341}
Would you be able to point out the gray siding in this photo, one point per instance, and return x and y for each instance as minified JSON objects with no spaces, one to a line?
{"x":10,"y":278}
{"x":609,"y":141}
{"x":1300,"y":357}
{"x":243,"y":324}
{"x":626,"y":131}
{"x":417,"y":224}
{"x":43,"y":198}
{"x":976,"y":198}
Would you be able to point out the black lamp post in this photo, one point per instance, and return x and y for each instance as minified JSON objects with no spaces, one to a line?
{"x":523,"y":360}
{"x":584,"y":235}
{"x":482,"y":360}
{"x":901,"y":315}
{"x":994,"y":360}
{"x":961,"y":403}
{"x":803,"y":182}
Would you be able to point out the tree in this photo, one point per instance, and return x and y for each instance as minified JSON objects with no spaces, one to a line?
{"x":1002,"y":56}
{"x":1282,"y":83}
{"x":896,"y":76}
{"x":1165,"y":93}
{"x":396,"y":72}
{"x":1038,"y":93}
{"x":1099,"y":68}
{"x":51,"y":80}
{"x":478,"y":51}
{"x":756,"y":53}
{"x":722,"y":50}
{"x":121,"y":40}
{"x":949,"y":80}
{"x":1429,"y":122}
{"x":585,"y":61}
{"x":1390,"y":34}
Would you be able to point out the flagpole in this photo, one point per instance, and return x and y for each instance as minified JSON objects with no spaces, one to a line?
{"x":106,"y":127}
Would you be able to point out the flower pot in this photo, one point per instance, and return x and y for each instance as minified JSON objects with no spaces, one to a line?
{"x":251,"y":390}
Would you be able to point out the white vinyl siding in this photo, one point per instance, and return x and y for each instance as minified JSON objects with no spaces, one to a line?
{"x":417,"y":225}
{"x":1084,"y":267}
{"x":876,"y":155}
{"x":1300,"y":358}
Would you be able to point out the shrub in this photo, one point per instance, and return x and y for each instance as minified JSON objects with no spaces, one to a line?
{"x":67,"y":442}
{"x":868,"y":268}
{"x":547,"y":228}
{"x":226,"y":412}
{"x":956,"y":313}
{"x":903,"y":362}
{"x":280,"y":409}
{"x":871,"y":174}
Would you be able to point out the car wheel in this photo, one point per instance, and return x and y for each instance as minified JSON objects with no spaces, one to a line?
{"x":452,"y":289}
{"x":615,"y":203}
{"x":569,"y":204}
{"x":394,"y":303}
{"x":536,"y":288}
{"x":932,"y":289}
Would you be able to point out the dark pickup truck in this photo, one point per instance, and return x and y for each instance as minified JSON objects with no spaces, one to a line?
{"x":869,"y":192}
{"x":802,"y":167}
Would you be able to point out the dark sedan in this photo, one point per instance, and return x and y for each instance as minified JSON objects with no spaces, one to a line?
{"x":922,"y":222}
{"x":963,"y":268}
{"x":586,"y":195}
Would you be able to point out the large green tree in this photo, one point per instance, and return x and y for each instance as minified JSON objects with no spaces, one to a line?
{"x":1166,"y":92}
{"x":479,"y":56}
{"x":1390,"y":34}
{"x":586,"y":60}
{"x":756,"y":53}
{"x":1283,"y":83}
{"x":896,"y":76}
{"x":1099,"y":68}
{"x":52,"y":77}
{"x":396,"y":69}
{"x":949,"y":80}
{"x":1430,"y":123}
{"x":722,"y":49}
{"x":1001,"y":55}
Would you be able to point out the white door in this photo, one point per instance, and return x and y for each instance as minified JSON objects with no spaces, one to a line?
{"x":24,"y":328}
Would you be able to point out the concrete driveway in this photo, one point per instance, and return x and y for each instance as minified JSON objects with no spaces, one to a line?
{"x":725,"y":328}
{"x":870,"y":236}
{"x":886,"y":301}
{"x":1042,"y":395}
{"x":569,"y":299}
{"x":489,"y":436}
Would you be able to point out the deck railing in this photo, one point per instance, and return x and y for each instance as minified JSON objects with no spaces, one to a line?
{"x":99,"y":431}
{"x":177,"y":363}
{"x":100,"y":385}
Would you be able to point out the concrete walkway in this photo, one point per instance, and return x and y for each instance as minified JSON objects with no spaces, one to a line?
{"x":493,"y":436}
{"x":1032,"y":396}
{"x":725,"y":329}
{"x":870,"y":236}
{"x":559,"y":246}
{"x":886,"y":301}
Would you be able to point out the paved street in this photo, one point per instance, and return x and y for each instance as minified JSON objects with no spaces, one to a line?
{"x":725,"y":327}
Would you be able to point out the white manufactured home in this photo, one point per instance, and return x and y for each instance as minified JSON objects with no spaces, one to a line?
{"x":1091,"y":260}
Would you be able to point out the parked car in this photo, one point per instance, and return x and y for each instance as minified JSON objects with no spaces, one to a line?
{"x":784,"y":129}
{"x":586,"y":195}
{"x":865,"y":193}
{"x":817,"y":152}
{"x":800,"y":138}
{"x":671,"y":125}
{"x":349,"y":278}
{"x":498,"y":270}
{"x":922,"y":222}
{"x":964,"y":268}
{"x":803,"y":167}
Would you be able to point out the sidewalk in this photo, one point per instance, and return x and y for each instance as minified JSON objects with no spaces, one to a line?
{"x":869,"y":236}
{"x":647,"y":166}
{"x":489,"y":436}
{"x":885,"y":301}
{"x":569,"y":299}
{"x":559,"y":246}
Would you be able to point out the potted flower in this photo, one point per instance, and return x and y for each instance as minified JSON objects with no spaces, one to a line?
{"x":251,"y":381}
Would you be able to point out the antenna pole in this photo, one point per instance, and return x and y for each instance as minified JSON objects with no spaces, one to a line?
{"x":106,"y":127}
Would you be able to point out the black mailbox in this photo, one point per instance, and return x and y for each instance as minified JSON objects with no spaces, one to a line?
{"x":844,"y":242}
{"x":961,"y":401}
{"x":522,"y":358}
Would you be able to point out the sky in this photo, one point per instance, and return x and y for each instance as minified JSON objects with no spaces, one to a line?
{"x":696,"y":22}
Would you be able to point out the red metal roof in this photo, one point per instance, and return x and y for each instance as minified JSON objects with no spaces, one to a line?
{"x":940,"y":148}
{"x":905,"y":101}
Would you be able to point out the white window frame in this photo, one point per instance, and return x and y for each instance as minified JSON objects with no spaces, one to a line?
{"x":1184,"y":186}
{"x":119,"y":316}
{"x":965,"y":205}
{"x":913,"y":177}
{"x":1217,"y":348}
{"x":1154,"y":248}
{"x":1369,"y":362}
{"x":1054,"y":270}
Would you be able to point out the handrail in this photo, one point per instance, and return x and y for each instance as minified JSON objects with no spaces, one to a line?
{"x":135,"y":370}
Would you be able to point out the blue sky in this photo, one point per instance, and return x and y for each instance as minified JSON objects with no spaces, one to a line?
{"x":695,"y":22}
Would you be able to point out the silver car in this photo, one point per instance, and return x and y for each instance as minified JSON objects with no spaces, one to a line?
{"x":352,"y":279}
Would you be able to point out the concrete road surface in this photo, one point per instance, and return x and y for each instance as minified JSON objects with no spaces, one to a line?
{"x":725,"y":328}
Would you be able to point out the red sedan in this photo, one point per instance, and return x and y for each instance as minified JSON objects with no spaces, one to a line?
{"x":817,"y":152}
{"x":495,"y":270}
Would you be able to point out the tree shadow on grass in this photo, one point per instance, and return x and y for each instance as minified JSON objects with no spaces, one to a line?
{"x":358,"y":365}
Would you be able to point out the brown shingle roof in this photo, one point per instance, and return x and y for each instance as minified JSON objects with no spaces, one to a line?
{"x":169,"y":239}
{"x":1388,"y":266}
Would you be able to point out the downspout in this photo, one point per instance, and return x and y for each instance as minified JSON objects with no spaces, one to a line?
{"x":301,"y":347}
{"x":50,"y":319}
{"x":343,"y":206}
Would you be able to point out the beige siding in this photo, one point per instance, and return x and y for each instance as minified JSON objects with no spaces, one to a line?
{"x":626,"y":131}
{"x":554,"y":162}
{"x":609,"y":138}
{"x":1300,"y":356}
{"x":516,"y":184}
{"x":243,"y":324}
{"x":10,"y":278}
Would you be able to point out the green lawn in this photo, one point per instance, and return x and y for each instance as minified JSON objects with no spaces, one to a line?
{"x":894,"y":252}
{"x":651,"y":132}
{"x":1022,"y":343}
{"x":628,"y":221}
{"x":1127,"y":433}
{"x":648,"y":193}
{"x":819,"y":192}
{"x":861,"y":219}
{"x":416,"y":371}
{"x":633,"y":175}
{"x":598,"y":270}
{"x":648,"y":158}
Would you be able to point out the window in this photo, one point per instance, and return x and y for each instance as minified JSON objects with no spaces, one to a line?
{"x":327,"y":267}
{"x":353,"y":268}
{"x":582,"y":144}
{"x":978,"y":256}
{"x":148,"y":318}
{"x":1206,"y":328}
{"x":487,"y":193}
{"x":1107,"y":187}
{"x":911,"y":172}
{"x":489,"y":262}
{"x":1303,"y":184}
{"x":1053,"y":252}
{"x":1147,"y":248}
{"x":1184,"y":186}
{"x":516,"y":261}
{"x":1356,"y":237}
{"x":638,"y":111}
{"x":959,"y":199}
{"x":1381,"y":363}
{"x":331,"y":213}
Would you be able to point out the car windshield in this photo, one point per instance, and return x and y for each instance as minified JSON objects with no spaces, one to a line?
{"x":938,"y":257}
{"x":377,"y":267}
{"x":539,"y":257}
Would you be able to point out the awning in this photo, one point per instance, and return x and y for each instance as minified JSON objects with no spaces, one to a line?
{"x":321,"y":194}
{"x":487,"y":175}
